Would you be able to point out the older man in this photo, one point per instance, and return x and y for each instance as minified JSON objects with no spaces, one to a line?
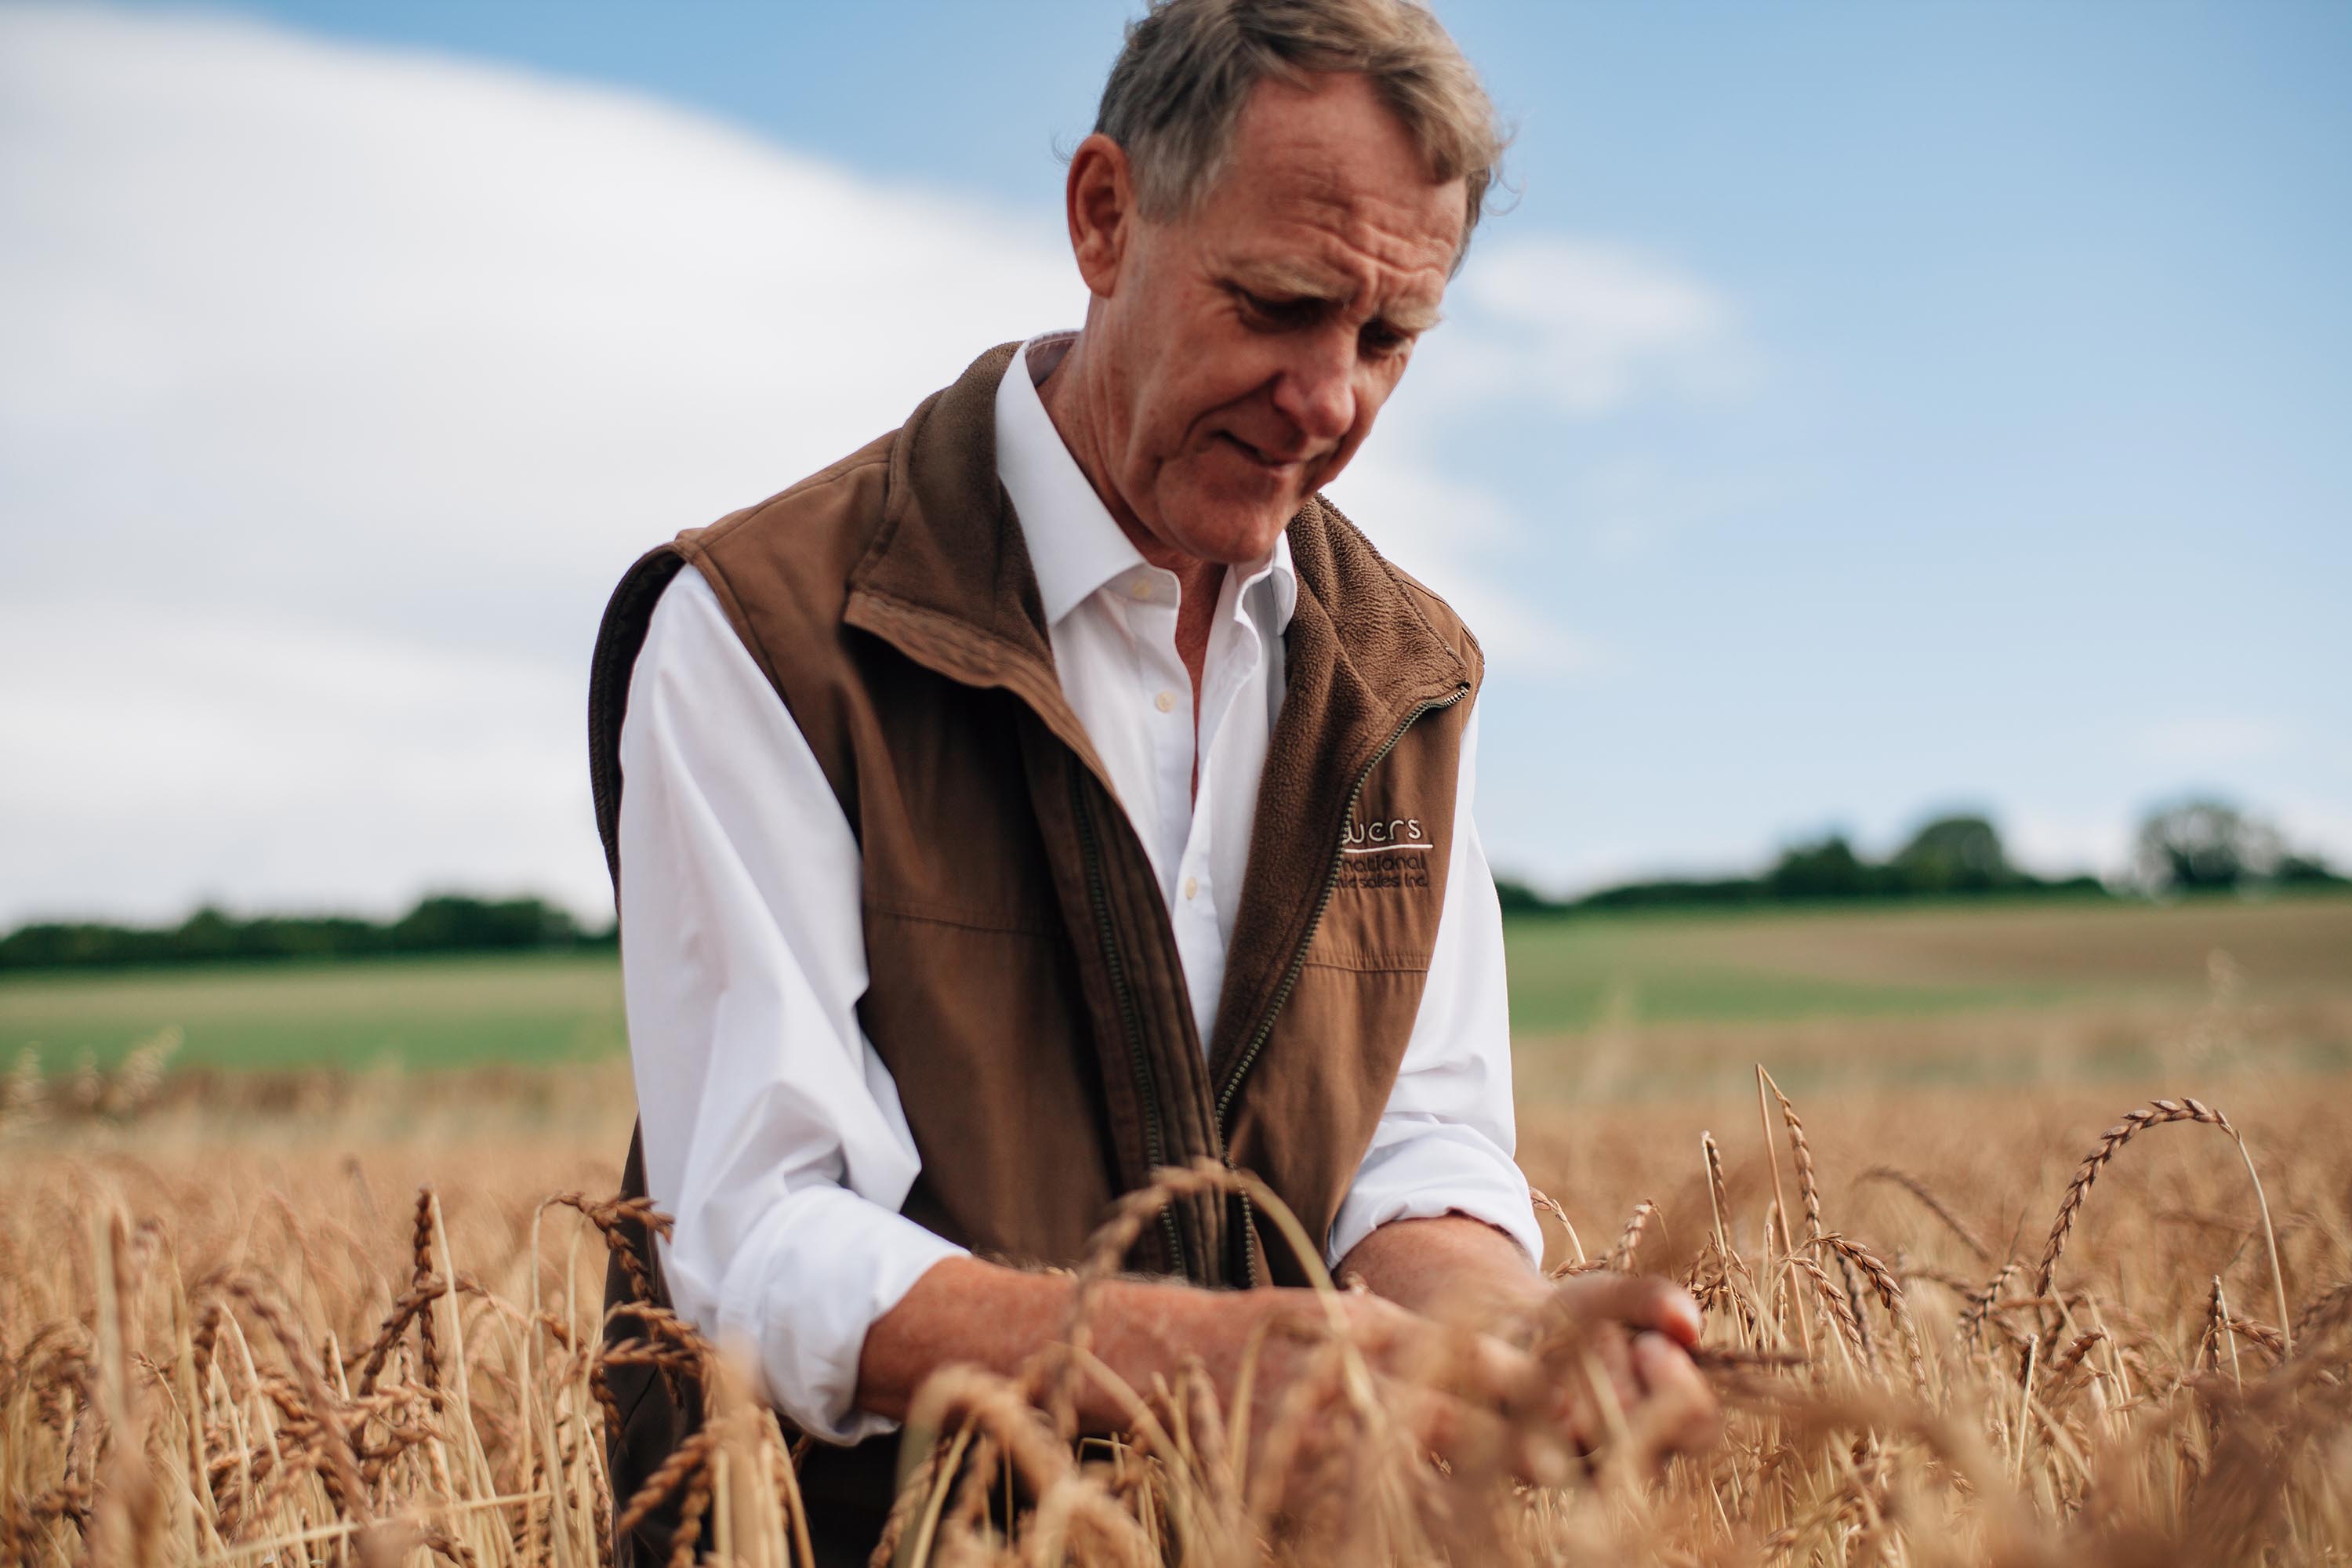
{"x":1059,"y":788}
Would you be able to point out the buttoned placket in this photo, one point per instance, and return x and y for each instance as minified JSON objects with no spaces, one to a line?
{"x":1186,"y":813}
{"x":1146,"y":597}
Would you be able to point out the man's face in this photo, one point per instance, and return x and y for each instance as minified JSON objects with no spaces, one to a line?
{"x":1251,"y":343}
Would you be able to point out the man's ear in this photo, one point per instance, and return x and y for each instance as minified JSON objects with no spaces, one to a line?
{"x":1100,"y":199}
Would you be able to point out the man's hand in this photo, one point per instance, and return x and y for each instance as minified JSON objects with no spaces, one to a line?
{"x":1621,"y":1340}
{"x":1630,"y":1336}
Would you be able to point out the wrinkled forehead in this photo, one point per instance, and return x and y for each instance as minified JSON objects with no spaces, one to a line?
{"x":1327,"y":180}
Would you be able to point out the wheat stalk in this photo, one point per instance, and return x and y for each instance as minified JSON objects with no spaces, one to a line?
{"x":2156,"y":1113}
{"x":1800,"y":1151}
{"x":1934,"y":1205}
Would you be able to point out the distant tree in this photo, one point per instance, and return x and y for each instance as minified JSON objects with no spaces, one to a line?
{"x":1954,"y":855}
{"x":446,"y":923}
{"x":208,"y":933}
{"x":2202,"y":844}
{"x":1828,"y":869}
{"x":1519,"y":899}
{"x":2308,"y":871}
{"x":441,"y":923}
{"x":1674,"y":893}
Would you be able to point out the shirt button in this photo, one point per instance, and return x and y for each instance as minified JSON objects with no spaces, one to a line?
{"x":1140,"y":588}
{"x":1165,"y":702}
{"x":1191,"y":886}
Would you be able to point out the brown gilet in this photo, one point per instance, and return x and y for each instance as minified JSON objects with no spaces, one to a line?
{"x":1025,"y":990}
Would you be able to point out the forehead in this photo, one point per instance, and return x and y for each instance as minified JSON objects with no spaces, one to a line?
{"x":1325,"y":176}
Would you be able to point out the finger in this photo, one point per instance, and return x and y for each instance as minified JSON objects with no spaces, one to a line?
{"x":1614,"y":1349}
{"x":1473,"y":1440}
{"x":1678,"y":1411}
{"x":1590,"y":1413}
{"x":1641,"y":1301}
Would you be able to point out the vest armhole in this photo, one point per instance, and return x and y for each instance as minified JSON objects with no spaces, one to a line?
{"x":619,"y":640}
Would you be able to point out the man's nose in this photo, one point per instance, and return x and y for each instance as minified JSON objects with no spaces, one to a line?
{"x":1317,"y":387}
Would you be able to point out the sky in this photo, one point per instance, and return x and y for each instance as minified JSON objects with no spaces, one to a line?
{"x":1860,"y":413}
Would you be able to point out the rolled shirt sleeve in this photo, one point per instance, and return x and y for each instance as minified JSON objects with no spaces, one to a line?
{"x":773,"y":1132}
{"x":1445,"y":1140}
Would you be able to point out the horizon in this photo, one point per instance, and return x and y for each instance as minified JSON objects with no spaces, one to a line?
{"x":598,"y":924}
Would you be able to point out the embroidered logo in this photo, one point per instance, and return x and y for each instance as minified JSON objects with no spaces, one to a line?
{"x":1384,"y":852}
{"x":1383,"y":834}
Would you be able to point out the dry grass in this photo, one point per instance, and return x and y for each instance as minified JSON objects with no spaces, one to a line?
{"x":253,"y":1340}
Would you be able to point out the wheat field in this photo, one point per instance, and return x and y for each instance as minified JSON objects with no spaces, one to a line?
{"x":359,"y":1322}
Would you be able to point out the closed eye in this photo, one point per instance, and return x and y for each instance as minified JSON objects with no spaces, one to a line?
{"x":1378,"y":337}
{"x":1297,"y":310}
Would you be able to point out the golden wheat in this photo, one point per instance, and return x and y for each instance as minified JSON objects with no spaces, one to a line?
{"x":210,"y":1355}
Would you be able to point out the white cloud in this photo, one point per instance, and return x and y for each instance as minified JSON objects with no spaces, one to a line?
{"x":336,"y":388}
{"x":1544,"y":328}
{"x":338,"y":385}
{"x":1587,"y":325}
{"x":285,"y":761}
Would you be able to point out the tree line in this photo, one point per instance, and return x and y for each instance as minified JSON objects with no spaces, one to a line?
{"x":2195,"y":845}
{"x":441,"y":923}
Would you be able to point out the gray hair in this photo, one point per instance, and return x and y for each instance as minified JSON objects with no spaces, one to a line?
{"x":1189,"y":66}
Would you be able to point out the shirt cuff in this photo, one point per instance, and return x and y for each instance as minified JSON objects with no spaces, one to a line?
{"x":1426,"y":1168}
{"x":824,"y":1265}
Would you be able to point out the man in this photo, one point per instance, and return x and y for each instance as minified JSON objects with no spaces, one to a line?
{"x":1058,"y":788}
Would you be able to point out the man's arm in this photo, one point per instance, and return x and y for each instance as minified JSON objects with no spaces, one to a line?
{"x":1450,"y":1389}
{"x":965,"y":1311}
{"x":772,"y":1131}
{"x":968,"y":1312}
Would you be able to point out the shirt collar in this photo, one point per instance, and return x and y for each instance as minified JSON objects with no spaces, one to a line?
{"x":1076,"y":547}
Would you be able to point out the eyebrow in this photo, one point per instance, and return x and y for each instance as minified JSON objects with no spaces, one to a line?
{"x":1289,"y":281}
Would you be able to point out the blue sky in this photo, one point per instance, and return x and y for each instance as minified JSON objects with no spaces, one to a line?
{"x":1988,"y":449}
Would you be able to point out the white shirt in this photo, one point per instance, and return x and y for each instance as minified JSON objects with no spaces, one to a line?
{"x":772,"y":1132}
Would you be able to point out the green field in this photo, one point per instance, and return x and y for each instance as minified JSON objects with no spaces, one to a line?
{"x":1912,"y":959}
{"x":359,"y":1012}
{"x":1682,"y":986}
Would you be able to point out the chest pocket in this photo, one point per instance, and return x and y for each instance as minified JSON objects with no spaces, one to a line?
{"x":1390,"y":885}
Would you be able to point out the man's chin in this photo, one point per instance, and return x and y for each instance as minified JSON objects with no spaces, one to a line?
{"x":1244,"y":543}
{"x":1216,"y":524}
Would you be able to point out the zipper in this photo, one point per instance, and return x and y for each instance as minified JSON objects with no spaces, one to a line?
{"x":1131,"y":1017}
{"x":1298,"y":962}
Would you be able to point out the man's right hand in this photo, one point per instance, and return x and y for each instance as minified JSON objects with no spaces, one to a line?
{"x":1613,"y":1371}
